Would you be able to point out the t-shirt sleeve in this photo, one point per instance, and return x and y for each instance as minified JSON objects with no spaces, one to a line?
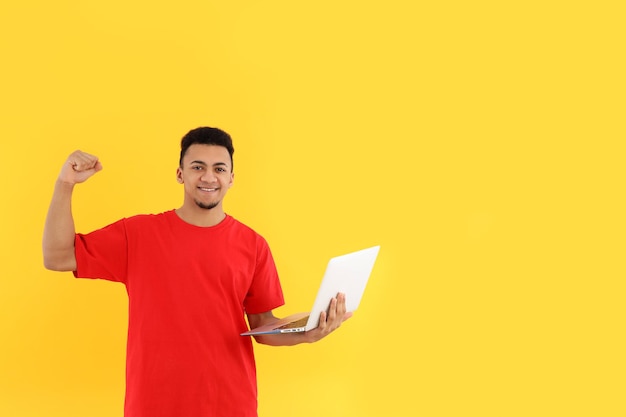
{"x":102,"y":253}
{"x":265,"y":293}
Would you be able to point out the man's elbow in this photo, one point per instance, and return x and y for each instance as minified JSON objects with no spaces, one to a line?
{"x":57,"y":263}
{"x":51,"y":265}
{"x":264,"y":340}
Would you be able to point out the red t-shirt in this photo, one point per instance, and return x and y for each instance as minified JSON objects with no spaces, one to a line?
{"x":189,"y":288}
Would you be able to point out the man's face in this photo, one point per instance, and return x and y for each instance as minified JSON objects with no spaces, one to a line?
{"x":206,"y":174}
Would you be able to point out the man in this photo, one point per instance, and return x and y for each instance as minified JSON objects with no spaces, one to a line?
{"x":192,"y":275}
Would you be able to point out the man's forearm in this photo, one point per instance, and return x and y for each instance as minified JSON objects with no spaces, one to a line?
{"x":59,"y":231}
{"x":285,"y":339}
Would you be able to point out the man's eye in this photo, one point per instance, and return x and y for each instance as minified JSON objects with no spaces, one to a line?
{"x":196,"y":167}
{"x":221,"y":170}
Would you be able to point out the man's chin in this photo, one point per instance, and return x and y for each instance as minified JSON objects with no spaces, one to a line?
{"x":205,"y":206}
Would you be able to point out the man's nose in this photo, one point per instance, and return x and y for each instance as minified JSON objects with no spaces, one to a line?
{"x":208,"y":176}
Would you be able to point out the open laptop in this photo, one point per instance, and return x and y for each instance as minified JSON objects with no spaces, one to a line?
{"x":347,"y":274}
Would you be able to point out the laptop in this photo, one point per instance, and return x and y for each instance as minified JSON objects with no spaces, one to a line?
{"x":347,"y":274}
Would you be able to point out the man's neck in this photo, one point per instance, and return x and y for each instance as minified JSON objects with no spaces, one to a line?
{"x":201,"y":217}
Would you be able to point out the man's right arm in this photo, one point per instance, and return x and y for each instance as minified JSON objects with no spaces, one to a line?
{"x":59,"y":232}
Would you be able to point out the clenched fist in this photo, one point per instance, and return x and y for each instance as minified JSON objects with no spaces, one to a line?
{"x":79,"y":167}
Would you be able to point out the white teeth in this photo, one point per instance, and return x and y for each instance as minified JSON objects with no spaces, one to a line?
{"x":208,"y":189}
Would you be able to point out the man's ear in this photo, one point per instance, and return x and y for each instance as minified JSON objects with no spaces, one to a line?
{"x":179,"y":175}
{"x":232,"y":179}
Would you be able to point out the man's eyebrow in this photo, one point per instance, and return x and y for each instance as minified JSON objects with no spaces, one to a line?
{"x":205,"y":164}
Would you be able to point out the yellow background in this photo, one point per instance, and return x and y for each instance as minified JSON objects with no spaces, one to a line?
{"x":479,"y":142}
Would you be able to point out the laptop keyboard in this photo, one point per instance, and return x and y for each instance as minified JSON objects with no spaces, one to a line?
{"x":294,"y":324}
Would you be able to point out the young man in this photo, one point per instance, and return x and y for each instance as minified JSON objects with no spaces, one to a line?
{"x":192,"y":276}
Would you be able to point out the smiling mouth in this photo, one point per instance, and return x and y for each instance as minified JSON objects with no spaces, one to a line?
{"x":207,"y":189}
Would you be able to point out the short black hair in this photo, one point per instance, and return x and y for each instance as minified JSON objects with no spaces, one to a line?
{"x":206,"y":136}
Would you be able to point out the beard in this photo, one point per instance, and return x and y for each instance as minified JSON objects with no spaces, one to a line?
{"x":207,"y":206}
